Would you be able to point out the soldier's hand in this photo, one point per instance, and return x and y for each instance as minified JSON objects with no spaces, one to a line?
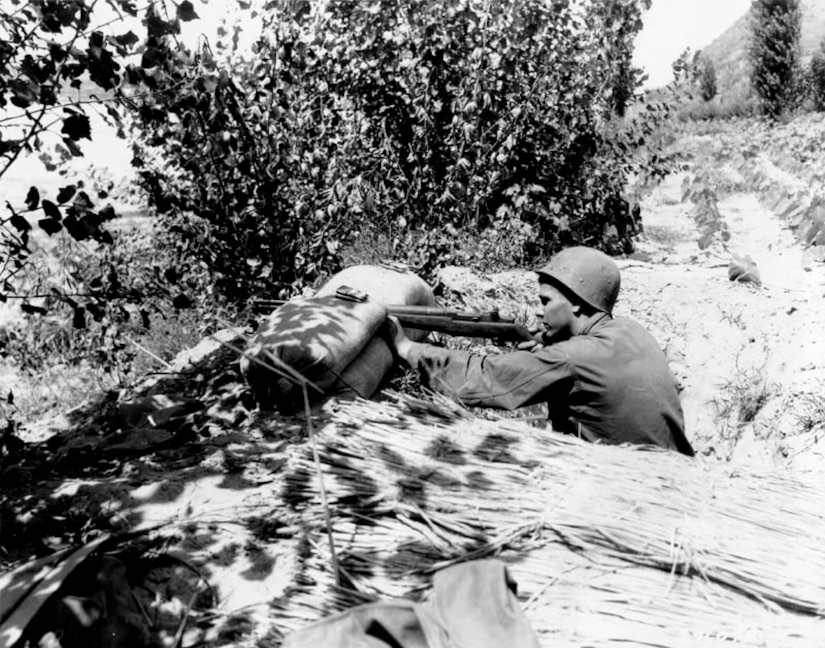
{"x":537,"y":341}
{"x":397,"y":337}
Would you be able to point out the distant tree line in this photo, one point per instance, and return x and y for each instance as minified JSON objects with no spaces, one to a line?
{"x":778,"y":78}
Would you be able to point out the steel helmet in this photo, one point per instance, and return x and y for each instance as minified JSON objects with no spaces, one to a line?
{"x":591,"y":275}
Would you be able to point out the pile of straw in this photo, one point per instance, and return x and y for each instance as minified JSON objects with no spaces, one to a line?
{"x":608,"y":545}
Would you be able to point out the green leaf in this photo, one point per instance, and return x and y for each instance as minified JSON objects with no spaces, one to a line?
{"x":152,"y":57}
{"x":25,"y":92}
{"x":32,"y":198}
{"x":19,"y":223}
{"x":186,"y":11}
{"x":50,"y":225}
{"x":66,"y":193}
{"x":128,"y":6}
{"x":127,"y":40}
{"x":77,"y":127}
{"x":51,"y":210}
{"x":158,"y":27}
{"x":74,"y":149}
{"x":57,"y":53}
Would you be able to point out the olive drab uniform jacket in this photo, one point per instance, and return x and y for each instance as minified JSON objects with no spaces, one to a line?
{"x":610,"y":383}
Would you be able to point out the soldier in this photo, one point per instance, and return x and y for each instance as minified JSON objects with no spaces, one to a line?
{"x":604,"y":379}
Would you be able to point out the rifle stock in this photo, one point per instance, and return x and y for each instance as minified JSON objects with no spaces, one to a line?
{"x":481,"y":324}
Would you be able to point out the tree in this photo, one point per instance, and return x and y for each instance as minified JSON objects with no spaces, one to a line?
{"x":774,"y":53}
{"x":816,"y":78}
{"x":617,"y":24}
{"x":707,"y":80}
{"x":61,"y":63}
{"x":686,"y":69}
{"x":424,"y":122}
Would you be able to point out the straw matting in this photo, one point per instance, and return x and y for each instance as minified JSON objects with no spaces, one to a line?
{"x":608,"y":544}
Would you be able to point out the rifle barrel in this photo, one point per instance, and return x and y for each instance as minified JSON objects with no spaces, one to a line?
{"x":403,"y":309}
{"x":482,"y":324}
{"x":502,"y":330}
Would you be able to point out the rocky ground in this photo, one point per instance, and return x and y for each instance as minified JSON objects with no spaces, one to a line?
{"x":191,"y":453}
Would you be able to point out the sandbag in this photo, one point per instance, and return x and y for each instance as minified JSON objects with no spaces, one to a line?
{"x":364,"y":375}
{"x":316,"y":336}
{"x":385,"y":285}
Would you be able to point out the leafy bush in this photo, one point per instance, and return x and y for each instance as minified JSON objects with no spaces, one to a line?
{"x":418,"y":123}
{"x":816,"y":78}
{"x":774,"y":53}
{"x":79,"y":294}
{"x":114,"y":295}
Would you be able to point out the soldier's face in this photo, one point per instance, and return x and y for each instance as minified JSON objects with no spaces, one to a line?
{"x":558,"y":315}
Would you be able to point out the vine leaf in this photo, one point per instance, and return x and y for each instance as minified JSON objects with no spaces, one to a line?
{"x":127,"y":40}
{"x":66,"y":193}
{"x":77,"y":127}
{"x":32,"y":198}
{"x":50,"y":225}
{"x":186,"y":11}
{"x":51,"y":210}
{"x":19,"y":223}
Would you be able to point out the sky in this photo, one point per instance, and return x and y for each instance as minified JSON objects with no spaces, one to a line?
{"x":673,"y":25}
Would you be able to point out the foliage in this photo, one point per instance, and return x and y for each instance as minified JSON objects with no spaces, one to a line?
{"x":700,"y":190}
{"x":686,"y":67}
{"x":691,"y":71}
{"x":616,"y":23}
{"x":717,"y":109}
{"x":419,"y":122}
{"x":707,"y":80}
{"x":816,"y":78}
{"x":113,"y":295}
{"x":774,"y":53}
{"x":48,"y":50}
{"x":62,"y":66}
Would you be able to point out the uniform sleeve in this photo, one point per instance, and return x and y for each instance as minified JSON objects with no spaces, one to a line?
{"x":506,"y":381}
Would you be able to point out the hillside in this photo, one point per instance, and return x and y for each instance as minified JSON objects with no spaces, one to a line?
{"x":729,"y":51}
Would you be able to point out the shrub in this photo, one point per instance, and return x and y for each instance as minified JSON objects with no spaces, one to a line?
{"x":419,"y":122}
{"x":82,"y":287}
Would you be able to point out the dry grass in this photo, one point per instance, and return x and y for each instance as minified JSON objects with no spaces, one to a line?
{"x":608,"y":544}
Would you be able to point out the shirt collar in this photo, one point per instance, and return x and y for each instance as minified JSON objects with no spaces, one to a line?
{"x":592,"y":322}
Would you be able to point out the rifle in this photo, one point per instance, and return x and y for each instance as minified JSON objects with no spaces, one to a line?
{"x":486,"y":324}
